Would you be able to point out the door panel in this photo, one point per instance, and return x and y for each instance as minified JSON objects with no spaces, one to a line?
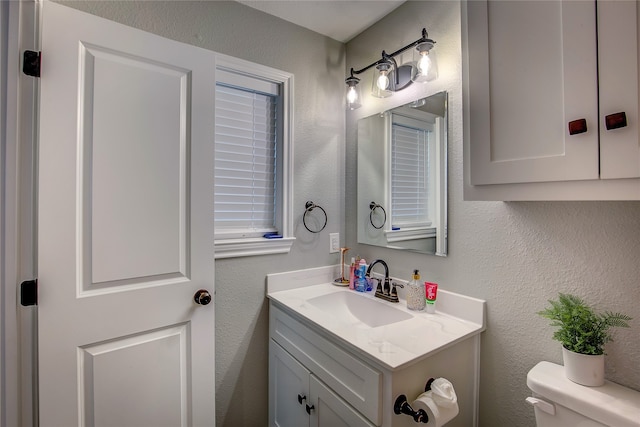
{"x":618,"y":54}
{"x":518,"y":122}
{"x":288,"y":379}
{"x":330,"y":410}
{"x":149,"y":103}
{"x":124,"y":364}
{"x":125,"y":227}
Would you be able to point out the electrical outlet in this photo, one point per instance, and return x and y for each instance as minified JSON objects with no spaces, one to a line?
{"x":334,"y":242}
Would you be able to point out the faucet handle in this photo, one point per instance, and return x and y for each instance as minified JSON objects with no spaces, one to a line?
{"x":394,"y":291}
{"x":379,"y":287}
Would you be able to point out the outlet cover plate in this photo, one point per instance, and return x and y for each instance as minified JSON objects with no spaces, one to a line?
{"x":334,"y":242}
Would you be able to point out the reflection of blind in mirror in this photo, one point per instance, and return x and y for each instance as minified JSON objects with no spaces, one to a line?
{"x":409,"y":176}
{"x":245,"y":141}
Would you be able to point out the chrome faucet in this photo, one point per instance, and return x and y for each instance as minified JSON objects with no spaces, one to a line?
{"x":386,"y":291}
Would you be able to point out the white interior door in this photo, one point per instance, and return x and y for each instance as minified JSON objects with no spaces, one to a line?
{"x":125,"y":226}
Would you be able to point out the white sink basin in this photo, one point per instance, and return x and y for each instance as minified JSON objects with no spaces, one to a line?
{"x":352,"y":308}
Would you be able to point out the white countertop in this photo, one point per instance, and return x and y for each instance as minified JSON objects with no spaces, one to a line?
{"x":395,"y":345}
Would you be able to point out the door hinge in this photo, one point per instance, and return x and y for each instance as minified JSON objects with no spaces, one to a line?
{"x":31,"y":63}
{"x":29,"y":292}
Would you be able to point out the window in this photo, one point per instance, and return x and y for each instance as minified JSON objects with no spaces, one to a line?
{"x":245,"y":167}
{"x":252,"y":166}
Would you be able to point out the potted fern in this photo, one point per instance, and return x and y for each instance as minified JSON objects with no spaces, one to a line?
{"x":583,"y":334}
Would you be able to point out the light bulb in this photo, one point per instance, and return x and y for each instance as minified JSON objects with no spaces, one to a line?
{"x":383,"y":81}
{"x":424,"y":64}
{"x":352,"y":95}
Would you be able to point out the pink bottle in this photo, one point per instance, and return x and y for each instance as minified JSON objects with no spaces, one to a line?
{"x":352,"y":273}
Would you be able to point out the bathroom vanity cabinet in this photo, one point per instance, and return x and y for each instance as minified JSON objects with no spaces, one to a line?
{"x":316,"y":381}
{"x":550,"y":92}
{"x":320,"y":375}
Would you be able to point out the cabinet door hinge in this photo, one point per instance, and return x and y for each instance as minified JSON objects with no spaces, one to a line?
{"x":29,"y":292}
{"x":31,"y":63}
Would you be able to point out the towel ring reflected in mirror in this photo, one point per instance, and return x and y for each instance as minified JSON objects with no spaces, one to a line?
{"x":310,"y":206}
{"x":374,"y":206}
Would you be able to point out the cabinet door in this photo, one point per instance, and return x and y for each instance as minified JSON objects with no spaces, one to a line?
{"x":531,"y":68}
{"x":330,"y":410}
{"x":288,"y":389}
{"x":618,"y":79}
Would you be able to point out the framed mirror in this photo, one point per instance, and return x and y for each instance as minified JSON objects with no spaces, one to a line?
{"x":402,"y":177}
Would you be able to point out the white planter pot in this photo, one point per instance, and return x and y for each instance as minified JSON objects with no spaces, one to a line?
{"x":584,"y":369}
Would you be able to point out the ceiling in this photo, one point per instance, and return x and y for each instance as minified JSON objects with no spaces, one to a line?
{"x":339,"y":19}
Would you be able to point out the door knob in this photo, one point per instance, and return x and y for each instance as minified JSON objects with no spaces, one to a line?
{"x":202,"y":297}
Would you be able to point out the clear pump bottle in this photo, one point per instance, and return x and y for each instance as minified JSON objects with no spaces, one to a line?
{"x":415,"y":293}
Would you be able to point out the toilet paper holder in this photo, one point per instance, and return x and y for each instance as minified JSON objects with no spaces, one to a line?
{"x":401,"y":406}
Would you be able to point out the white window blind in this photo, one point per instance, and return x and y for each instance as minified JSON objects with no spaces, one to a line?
{"x":409,"y":176}
{"x":245,"y":165}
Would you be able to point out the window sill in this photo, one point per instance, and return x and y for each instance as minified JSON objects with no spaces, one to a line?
{"x":231,"y":248}
{"x":410,"y":234}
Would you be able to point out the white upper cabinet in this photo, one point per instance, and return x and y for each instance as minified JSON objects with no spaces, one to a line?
{"x":542,"y":83}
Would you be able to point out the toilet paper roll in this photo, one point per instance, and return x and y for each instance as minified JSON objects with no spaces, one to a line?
{"x":443,"y":392}
{"x":438,"y":415}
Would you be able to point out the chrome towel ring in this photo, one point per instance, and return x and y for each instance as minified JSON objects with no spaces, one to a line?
{"x":310,"y":206}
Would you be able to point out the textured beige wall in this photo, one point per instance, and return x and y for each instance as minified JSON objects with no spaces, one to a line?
{"x":516,"y":256}
{"x":317,"y":63}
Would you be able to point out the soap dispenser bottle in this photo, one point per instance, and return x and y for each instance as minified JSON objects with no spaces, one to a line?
{"x":415,"y":293}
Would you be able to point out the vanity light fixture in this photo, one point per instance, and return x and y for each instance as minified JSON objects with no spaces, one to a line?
{"x":389,"y":77}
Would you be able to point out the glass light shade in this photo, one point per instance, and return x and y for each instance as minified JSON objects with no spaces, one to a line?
{"x":425,"y":68}
{"x":383,"y":84}
{"x":354,"y":97}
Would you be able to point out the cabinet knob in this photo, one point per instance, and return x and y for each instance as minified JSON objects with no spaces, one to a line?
{"x":301,"y":397}
{"x":616,"y":120}
{"x":577,"y":126}
{"x":310,"y":408}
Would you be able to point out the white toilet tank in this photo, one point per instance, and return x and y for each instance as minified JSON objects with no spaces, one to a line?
{"x":559,"y":402}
